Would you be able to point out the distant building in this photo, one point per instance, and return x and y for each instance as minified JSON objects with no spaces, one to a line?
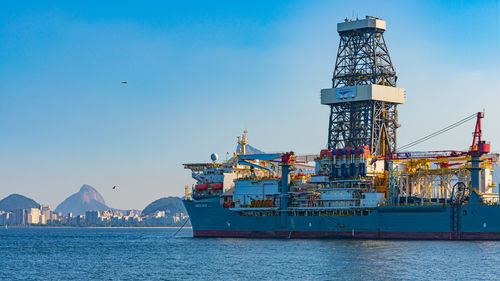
{"x":133,"y":213}
{"x":160,"y":214}
{"x":107,"y":214}
{"x":92,"y":217}
{"x":6,"y":218}
{"x":34,"y":216}
{"x":43,"y":219}
{"x":20,"y":216}
{"x":176,"y":219}
{"x":80,"y":219}
{"x":46,"y":214}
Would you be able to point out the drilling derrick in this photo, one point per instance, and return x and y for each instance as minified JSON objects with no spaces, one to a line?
{"x":363,"y":99}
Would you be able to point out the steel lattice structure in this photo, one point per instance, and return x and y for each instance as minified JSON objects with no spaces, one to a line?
{"x":363,"y":58}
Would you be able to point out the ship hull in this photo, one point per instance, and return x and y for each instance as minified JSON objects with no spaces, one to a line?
{"x":347,"y":235}
{"x":437,"y":222}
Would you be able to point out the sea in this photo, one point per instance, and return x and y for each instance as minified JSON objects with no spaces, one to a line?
{"x":170,"y":254}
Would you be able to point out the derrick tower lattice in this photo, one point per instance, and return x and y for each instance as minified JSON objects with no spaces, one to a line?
{"x":363,"y":100}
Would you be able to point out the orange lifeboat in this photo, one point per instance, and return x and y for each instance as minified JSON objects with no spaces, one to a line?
{"x":217,"y":186}
{"x":203,"y":186}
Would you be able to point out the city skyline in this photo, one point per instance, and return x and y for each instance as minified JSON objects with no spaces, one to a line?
{"x":196,"y":77}
{"x":45,"y":216}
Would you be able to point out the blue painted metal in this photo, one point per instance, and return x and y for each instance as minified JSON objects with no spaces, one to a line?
{"x":265,"y":156}
{"x":475,"y":170}
{"x":245,"y":163}
{"x":284,"y":196}
{"x":475,"y":221}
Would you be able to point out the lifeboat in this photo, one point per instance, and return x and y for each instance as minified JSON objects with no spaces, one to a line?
{"x":203,"y":186}
{"x":217,"y":186}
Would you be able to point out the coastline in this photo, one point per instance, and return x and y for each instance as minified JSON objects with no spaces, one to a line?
{"x":45,"y":227}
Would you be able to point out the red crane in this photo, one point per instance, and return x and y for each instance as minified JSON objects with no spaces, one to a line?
{"x":476,"y":139}
{"x":479,"y":147}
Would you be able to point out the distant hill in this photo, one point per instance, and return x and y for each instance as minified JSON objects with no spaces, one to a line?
{"x":87,"y":199}
{"x":250,"y":149}
{"x":170,"y":205}
{"x":17,"y":201}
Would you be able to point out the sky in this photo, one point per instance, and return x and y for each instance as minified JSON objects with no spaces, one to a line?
{"x":199,"y":73}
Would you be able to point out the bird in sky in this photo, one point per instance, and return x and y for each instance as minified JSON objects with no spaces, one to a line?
{"x":114,"y":187}
{"x":124,"y":82}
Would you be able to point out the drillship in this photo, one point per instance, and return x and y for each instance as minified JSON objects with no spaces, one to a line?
{"x":362,"y":185}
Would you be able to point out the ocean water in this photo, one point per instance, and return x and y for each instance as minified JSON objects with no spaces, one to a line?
{"x":154,"y":254}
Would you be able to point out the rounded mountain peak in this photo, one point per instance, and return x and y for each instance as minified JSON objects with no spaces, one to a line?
{"x":88,"y":193}
{"x":16,"y":201}
{"x":86,"y":199}
{"x":87,"y":188}
{"x":15,"y":196}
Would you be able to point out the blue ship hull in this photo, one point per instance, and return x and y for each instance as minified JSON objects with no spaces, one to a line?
{"x":472,"y":221}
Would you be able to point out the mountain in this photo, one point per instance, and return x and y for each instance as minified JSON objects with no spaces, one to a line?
{"x":87,"y":199}
{"x":170,"y":205}
{"x":16,"y":201}
{"x":250,"y":149}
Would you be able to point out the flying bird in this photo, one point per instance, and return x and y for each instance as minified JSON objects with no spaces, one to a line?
{"x":114,"y":187}
{"x":124,"y":82}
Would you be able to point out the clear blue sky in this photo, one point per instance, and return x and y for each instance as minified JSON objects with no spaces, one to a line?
{"x":200,"y":72}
